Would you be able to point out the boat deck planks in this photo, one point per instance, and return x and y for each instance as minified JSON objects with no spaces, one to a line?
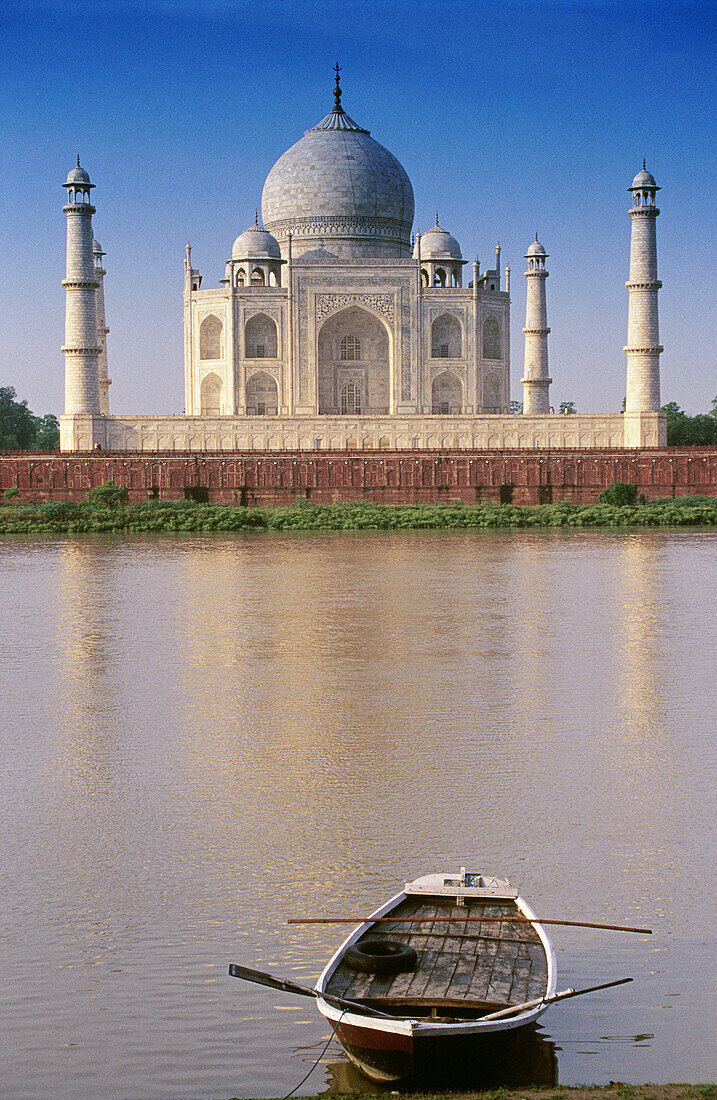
{"x":464,"y":962}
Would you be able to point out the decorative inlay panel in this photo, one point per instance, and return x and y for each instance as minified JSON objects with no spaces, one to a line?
{"x":330,"y":303}
{"x":452,"y":311}
{"x":254,"y":310}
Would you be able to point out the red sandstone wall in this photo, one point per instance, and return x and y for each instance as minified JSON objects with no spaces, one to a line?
{"x":389,"y":477}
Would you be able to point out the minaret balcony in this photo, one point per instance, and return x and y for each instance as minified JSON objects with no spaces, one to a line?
{"x":657,"y":285}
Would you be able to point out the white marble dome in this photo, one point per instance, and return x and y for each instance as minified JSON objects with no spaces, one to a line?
{"x":256,"y":244}
{"x":438,"y":244}
{"x":78,"y":175}
{"x":536,"y":248}
{"x":644,"y":179}
{"x":338,"y":185}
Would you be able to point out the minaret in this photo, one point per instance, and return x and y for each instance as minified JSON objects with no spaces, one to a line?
{"x":102,"y":330}
{"x":535,"y":380}
{"x":643,"y":348}
{"x":81,"y":348}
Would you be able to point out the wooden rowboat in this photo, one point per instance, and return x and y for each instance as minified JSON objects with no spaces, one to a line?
{"x":440,"y":971}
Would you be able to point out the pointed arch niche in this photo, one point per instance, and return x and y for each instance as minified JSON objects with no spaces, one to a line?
{"x":447,"y":394}
{"x":446,"y":337}
{"x":491,"y":393}
{"x":210,"y":338}
{"x":211,"y":395}
{"x":262,"y":395}
{"x":354,"y":364}
{"x":260,"y":337}
{"x":491,"y":339}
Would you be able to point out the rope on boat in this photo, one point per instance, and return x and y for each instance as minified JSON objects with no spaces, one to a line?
{"x":323,"y":1052}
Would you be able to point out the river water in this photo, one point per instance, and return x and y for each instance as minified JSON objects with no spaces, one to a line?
{"x":203,"y":736}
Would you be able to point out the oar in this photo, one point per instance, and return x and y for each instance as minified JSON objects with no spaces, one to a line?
{"x":258,"y":976}
{"x":434,"y":920}
{"x":512,"y":1009}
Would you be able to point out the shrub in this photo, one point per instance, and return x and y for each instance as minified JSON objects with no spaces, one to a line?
{"x":110,"y":493}
{"x":620,"y":492}
{"x":11,"y":493}
{"x":55,"y":509}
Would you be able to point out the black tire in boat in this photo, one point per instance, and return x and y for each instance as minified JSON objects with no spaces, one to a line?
{"x":379,"y":956}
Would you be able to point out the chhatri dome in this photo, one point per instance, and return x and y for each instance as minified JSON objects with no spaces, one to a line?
{"x":255,"y":243}
{"x":78,"y":175}
{"x":338,"y":185}
{"x":644,"y":179}
{"x":535,"y":249}
{"x":438,"y":243}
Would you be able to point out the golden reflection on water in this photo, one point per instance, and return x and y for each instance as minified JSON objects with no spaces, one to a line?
{"x":637,"y":636}
{"x":247,"y":728}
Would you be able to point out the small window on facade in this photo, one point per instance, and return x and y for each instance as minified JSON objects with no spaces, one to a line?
{"x":445,"y":408}
{"x":261,"y":408}
{"x":444,"y":351}
{"x":261,"y":351}
{"x":350,"y":347}
{"x":350,"y":400}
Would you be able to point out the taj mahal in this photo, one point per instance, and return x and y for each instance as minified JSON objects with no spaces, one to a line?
{"x":336,"y":329}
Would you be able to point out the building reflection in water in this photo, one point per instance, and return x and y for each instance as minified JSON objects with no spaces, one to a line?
{"x":92,"y":772}
{"x":639,"y":636}
{"x":323,"y":668}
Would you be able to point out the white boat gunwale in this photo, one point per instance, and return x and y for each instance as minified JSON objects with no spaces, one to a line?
{"x":411,"y":1026}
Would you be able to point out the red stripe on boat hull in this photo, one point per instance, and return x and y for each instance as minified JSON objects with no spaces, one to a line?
{"x":381,"y":1055}
{"x":519,"y":1058}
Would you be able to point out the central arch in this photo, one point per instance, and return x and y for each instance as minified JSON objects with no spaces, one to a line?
{"x":354,"y":364}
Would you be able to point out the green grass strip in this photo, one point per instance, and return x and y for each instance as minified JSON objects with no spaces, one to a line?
{"x":57,"y":517}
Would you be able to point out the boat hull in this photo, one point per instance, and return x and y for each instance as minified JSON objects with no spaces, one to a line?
{"x":381,"y":1056}
{"x":516,"y":1058}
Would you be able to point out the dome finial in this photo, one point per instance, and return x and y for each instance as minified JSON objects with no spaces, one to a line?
{"x":78,"y":161}
{"x":256,"y":218}
{"x":437,"y":219}
{"x":337,"y":89}
{"x":644,"y":164}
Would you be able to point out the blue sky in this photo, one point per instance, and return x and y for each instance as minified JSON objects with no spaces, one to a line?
{"x":510,"y":118}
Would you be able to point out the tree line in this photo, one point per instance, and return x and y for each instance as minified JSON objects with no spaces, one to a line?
{"x":690,"y":431}
{"x":21,"y":430}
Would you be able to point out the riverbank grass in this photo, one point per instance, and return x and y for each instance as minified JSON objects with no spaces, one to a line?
{"x":59,"y":517}
{"x":615,"y":1091}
